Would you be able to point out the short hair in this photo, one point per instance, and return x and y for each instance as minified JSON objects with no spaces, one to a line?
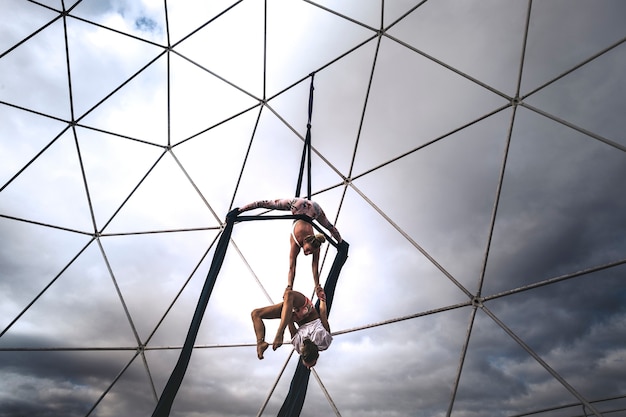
{"x":309,"y":351}
{"x":315,"y":240}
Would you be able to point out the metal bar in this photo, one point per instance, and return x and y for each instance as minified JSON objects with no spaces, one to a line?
{"x":150,"y":379}
{"x":256,"y":278}
{"x":543,"y":363}
{"x":313,"y":149}
{"x":496,"y":204}
{"x":29,"y":305}
{"x":106,"y":391}
{"x":570,"y":405}
{"x":280,"y":374}
{"x":323,"y":66}
{"x":577,"y":128}
{"x":459,"y":370}
{"x":413,"y":242}
{"x":448,"y":67}
{"x":195,"y":269}
{"x":403,"y":318}
{"x":228,"y":119}
{"x":325,"y":391}
{"x":133,"y":191}
{"x":574,"y":68}
{"x":555,"y":280}
{"x":343,"y":16}
{"x":365,"y":101}
{"x":523,"y":54}
{"x":36,"y":223}
{"x":151,"y":232}
{"x":30,"y":36}
{"x":437,"y":139}
{"x":118,"y":348}
{"x":245,"y":159}
{"x":119,"y":293}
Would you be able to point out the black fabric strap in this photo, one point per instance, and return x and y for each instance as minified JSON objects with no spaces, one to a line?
{"x":173,"y":384}
{"x":306,"y":151}
{"x":292,"y":406}
{"x":297,"y":391}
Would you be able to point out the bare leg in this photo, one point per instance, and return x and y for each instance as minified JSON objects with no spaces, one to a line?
{"x":270,"y":312}
{"x":291,"y":298}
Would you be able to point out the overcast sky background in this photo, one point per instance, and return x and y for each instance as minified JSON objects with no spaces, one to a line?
{"x":464,"y":153}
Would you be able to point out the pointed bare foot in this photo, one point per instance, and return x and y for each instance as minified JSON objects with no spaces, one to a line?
{"x":261,"y":347}
{"x":278,"y":342}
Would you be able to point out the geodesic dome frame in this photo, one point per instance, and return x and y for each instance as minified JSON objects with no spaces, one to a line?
{"x":472,"y":155}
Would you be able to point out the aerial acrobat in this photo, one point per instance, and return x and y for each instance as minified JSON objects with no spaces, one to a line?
{"x":311,"y":336}
{"x":302,"y":234}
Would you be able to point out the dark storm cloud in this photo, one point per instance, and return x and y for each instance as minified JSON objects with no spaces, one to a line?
{"x":61,"y":383}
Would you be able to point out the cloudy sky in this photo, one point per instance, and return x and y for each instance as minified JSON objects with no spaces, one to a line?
{"x":472,"y":154}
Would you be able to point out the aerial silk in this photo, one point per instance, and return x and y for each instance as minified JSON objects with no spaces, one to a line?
{"x":295,"y":399}
{"x":173,"y":383}
{"x":292,"y":406}
{"x":306,"y":150}
{"x":297,"y":390}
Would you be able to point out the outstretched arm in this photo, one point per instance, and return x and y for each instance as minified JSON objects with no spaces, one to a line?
{"x":316,"y":276}
{"x":293,"y":255}
{"x":292,"y":329}
{"x":278,"y":204}
{"x":324,"y":315}
{"x":315,"y":267}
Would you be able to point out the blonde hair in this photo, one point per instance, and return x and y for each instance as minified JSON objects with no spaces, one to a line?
{"x":315,"y":240}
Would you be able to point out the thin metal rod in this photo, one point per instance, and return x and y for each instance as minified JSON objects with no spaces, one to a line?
{"x":153,"y":232}
{"x":496,"y":203}
{"x":119,"y":348}
{"x":34,"y":158}
{"x":413,"y":242}
{"x":437,"y":139}
{"x":280,"y":374}
{"x":182,"y":288}
{"x":150,"y":379}
{"x":313,"y":149}
{"x":245,"y":158}
{"x":543,"y":363}
{"x":403,"y":318}
{"x":365,"y":103}
{"x":29,"y":36}
{"x":448,"y":67}
{"x":195,"y":187}
{"x":570,"y":405}
{"x":343,"y":16}
{"x":573,"y":126}
{"x":574,"y":68}
{"x":106,"y":391}
{"x":462,"y":356}
{"x":52,"y":226}
{"x":520,"y":73}
{"x":256,"y":278}
{"x":132,"y":192}
{"x":325,"y":391}
{"x":358,"y":46}
{"x":554,"y":280}
{"x":38,"y":296}
{"x":119,"y":293}
{"x":232,"y":84}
